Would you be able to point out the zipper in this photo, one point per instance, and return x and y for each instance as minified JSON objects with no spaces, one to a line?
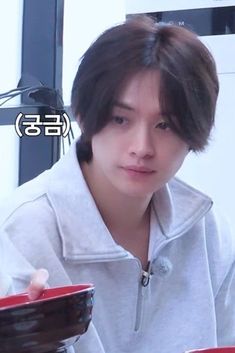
{"x":143,"y":284}
{"x":145,"y":278}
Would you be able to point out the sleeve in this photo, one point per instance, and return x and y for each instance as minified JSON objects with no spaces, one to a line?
{"x":15,"y":270}
{"x":221,"y":255}
{"x":15,"y":273}
{"x":225,"y":310}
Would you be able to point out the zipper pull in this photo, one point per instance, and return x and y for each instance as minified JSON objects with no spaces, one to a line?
{"x":146,"y":275}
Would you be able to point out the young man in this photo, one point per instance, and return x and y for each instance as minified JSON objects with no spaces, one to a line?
{"x":111,"y":212}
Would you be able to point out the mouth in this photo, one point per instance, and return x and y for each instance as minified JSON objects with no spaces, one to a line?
{"x":138,"y":170}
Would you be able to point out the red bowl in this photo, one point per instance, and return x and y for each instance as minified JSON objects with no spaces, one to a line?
{"x":214,"y":350}
{"x":49,"y":324}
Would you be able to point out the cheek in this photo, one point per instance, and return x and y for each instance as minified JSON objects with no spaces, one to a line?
{"x":103,"y":147}
{"x":173,"y":154}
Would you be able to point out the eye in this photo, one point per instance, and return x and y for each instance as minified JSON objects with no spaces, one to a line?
{"x":163,"y":125}
{"x":119,"y":120}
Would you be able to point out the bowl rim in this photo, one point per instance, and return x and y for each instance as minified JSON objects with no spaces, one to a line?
{"x":88,"y":287}
{"x":207,"y":349}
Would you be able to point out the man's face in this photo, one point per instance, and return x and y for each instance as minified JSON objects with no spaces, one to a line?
{"x":137,"y":152}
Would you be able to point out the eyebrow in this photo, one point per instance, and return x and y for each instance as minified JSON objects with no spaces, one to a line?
{"x":126,"y":106}
{"x":123,"y":105}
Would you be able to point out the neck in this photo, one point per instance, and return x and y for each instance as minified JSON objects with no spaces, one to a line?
{"x":119,"y":211}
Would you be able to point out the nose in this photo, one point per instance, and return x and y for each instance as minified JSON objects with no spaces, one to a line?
{"x":142,"y":145}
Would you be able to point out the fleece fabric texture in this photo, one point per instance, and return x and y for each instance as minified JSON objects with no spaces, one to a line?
{"x":189,"y":302}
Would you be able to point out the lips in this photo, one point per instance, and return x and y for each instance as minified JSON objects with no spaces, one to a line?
{"x":138,"y":169}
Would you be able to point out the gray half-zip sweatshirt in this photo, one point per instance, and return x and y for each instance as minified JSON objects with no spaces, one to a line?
{"x":185,"y":300}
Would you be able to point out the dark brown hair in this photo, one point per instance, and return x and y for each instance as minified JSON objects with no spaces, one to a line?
{"x":188,"y":80}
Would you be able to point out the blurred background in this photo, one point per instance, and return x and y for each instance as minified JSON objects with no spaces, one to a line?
{"x":41,"y":45}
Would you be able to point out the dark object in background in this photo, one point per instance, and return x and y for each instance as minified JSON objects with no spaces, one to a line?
{"x":205,"y":22}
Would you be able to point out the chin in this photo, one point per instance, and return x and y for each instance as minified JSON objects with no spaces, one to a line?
{"x":136,"y":192}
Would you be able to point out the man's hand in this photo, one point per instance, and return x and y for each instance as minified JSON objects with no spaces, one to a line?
{"x":38,"y":283}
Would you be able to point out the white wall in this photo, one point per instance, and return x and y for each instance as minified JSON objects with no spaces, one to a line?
{"x":9,"y":157}
{"x":11,"y":29}
{"x":10,"y":68}
{"x":83,"y":22}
